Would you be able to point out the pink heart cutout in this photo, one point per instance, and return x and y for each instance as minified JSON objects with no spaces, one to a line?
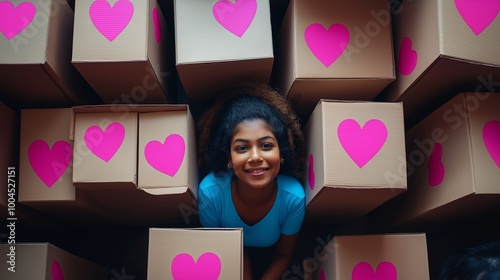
{"x":408,"y":57}
{"x":235,"y":17}
{"x":57,"y":273}
{"x":384,"y":271}
{"x":157,"y":25}
{"x":111,"y":21}
{"x":166,"y":157}
{"x":478,"y":15}
{"x":105,"y":144}
{"x":491,"y":139}
{"x":207,"y":267}
{"x":327,"y":45}
{"x":13,"y":20}
{"x":49,"y":164}
{"x":310,"y":174}
{"x":435,"y":166}
{"x":362,"y":144}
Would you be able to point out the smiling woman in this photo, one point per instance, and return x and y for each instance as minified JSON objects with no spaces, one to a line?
{"x":252,"y":146}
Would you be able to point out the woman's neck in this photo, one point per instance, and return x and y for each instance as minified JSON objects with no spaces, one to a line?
{"x":254,"y":197}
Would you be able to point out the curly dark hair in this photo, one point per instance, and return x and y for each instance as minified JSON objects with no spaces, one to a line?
{"x":245,"y":102}
{"x":478,"y":261}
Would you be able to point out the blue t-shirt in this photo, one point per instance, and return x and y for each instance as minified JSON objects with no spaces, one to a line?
{"x":216,"y":209}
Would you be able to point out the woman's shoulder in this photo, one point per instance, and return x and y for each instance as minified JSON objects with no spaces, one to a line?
{"x":291,"y":185}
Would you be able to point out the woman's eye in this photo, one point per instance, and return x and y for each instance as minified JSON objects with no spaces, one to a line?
{"x":240,"y":149}
{"x":267,"y":146}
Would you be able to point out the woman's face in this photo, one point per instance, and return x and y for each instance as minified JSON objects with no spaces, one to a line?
{"x":255,"y":154}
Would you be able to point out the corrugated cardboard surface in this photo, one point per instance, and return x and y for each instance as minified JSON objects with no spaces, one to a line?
{"x":41,"y":53}
{"x":44,"y":261}
{"x":209,"y":58}
{"x":450,"y":56}
{"x":406,"y":253}
{"x":166,"y":244}
{"x":129,"y":67}
{"x":162,"y":200}
{"x":470,"y":180}
{"x":51,"y":126}
{"x":337,"y":177}
{"x":93,"y":173}
{"x":161,"y":127}
{"x":362,"y":71}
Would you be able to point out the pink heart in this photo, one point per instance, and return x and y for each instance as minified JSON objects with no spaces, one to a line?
{"x":384,"y":271}
{"x":49,"y":164}
{"x":157,"y":25}
{"x":13,"y":20}
{"x":57,"y":273}
{"x":310,"y":175}
{"x":478,"y":15}
{"x":491,"y":138}
{"x":166,"y":157}
{"x":322,"y":275}
{"x":105,"y":144}
{"x":327,"y":45}
{"x":435,"y":166}
{"x":362,"y":144}
{"x":408,"y":57}
{"x":111,"y":21}
{"x":235,"y":17}
{"x":207,"y":267}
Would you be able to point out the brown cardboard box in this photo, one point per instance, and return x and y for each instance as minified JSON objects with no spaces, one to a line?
{"x":357,"y":158}
{"x":195,"y":253}
{"x":334,"y":50}
{"x":122,"y":50}
{"x":35,"y":65}
{"x":9,"y":140}
{"x":105,"y":150}
{"x":155,"y":179}
{"x":219,"y":43}
{"x":453,"y":164}
{"x":44,"y":261}
{"x":377,"y":256}
{"x":441,"y":48}
{"x":46,"y":165}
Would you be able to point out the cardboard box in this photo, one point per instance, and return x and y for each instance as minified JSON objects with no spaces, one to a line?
{"x":454,"y":48}
{"x":334,"y":50}
{"x":46,"y":167}
{"x":9,"y":140}
{"x":105,"y":150}
{"x":453,"y":164}
{"x":357,"y":158}
{"x":35,"y":64}
{"x":195,"y":253}
{"x":44,"y":261}
{"x":122,"y":49}
{"x":155,"y":178}
{"x":219,"y":43}
{"x":377,"y":256}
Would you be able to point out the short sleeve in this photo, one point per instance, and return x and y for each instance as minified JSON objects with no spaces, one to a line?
{"x":294,"y":217}
{"x":207,"y":208}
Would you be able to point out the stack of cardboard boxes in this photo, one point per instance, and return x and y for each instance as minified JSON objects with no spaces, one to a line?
{"x":397,"y":100}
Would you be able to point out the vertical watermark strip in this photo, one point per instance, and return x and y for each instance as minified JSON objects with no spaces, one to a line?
{"x":11,"y":218}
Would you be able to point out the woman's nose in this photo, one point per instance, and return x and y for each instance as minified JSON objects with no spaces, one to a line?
{"x":255,"y":154}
